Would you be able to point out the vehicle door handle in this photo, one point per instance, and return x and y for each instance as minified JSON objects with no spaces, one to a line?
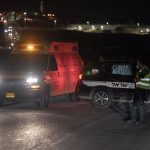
{"x":58,"y":74}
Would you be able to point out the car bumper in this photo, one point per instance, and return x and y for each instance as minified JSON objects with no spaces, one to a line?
{"x":15,"y":93}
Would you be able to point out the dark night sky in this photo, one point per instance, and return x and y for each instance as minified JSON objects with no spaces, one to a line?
{"x":99,"y":9}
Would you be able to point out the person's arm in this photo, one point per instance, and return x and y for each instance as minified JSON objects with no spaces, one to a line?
{"x":144,"y":72}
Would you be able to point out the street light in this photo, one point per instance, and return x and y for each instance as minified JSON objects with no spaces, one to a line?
{"x":93,"y":27}
{"x":55,"y":22}
{"x":107,"y":23}
{"x":80,"y":28}
{"x":102,"y":27}
{"x":147,"y":30}
{"x":88,"y":22}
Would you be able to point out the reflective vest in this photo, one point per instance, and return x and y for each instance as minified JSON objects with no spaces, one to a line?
{"x":144,"y":83}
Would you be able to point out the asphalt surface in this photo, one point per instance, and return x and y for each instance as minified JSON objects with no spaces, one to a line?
{"x":67,"y":125}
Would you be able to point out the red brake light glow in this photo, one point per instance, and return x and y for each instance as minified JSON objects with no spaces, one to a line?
{"x":80,"y":76}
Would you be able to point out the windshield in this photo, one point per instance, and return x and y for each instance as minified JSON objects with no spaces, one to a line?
{"x":23,"y":62}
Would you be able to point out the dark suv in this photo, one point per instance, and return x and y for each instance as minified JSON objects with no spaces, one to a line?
{"x":107,"y":81}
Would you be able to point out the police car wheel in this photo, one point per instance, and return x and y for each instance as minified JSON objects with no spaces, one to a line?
{"x":101,"y":98}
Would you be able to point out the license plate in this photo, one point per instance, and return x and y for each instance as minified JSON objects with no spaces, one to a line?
{"x":9,"y":95}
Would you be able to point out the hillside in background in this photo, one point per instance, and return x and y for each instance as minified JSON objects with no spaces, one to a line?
{"x":94,"y":45}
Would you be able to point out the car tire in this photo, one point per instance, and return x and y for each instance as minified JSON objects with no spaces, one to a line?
{"x":72,"y":97}
{"x":45,"y":95}
{"x":1,"y":102}
{"x":101,"y":97}
{"x":76,"y":92}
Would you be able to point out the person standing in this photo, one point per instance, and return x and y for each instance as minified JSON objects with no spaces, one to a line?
{"x":142,"y":86}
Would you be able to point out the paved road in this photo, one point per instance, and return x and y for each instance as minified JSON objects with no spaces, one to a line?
{"x":69,"y":125}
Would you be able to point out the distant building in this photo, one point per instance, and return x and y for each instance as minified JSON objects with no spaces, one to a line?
{"x":108,"y":28}
{"x":41,"y":7}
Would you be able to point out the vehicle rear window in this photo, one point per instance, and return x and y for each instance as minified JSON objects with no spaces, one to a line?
{"x":95,"y":70}
{"x":104,"y":70}
{"x":121,"y":69}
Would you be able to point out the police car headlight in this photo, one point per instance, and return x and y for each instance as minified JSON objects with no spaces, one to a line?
{"x":31,"y":80}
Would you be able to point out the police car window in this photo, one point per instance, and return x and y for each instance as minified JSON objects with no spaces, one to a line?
{"x":52,"y":66}
{"x":123,"y":69}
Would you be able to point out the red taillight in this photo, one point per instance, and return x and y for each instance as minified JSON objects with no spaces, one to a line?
{"x":80,"y":76}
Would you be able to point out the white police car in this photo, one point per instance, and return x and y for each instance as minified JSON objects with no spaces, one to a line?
{"x":107,"y":81}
